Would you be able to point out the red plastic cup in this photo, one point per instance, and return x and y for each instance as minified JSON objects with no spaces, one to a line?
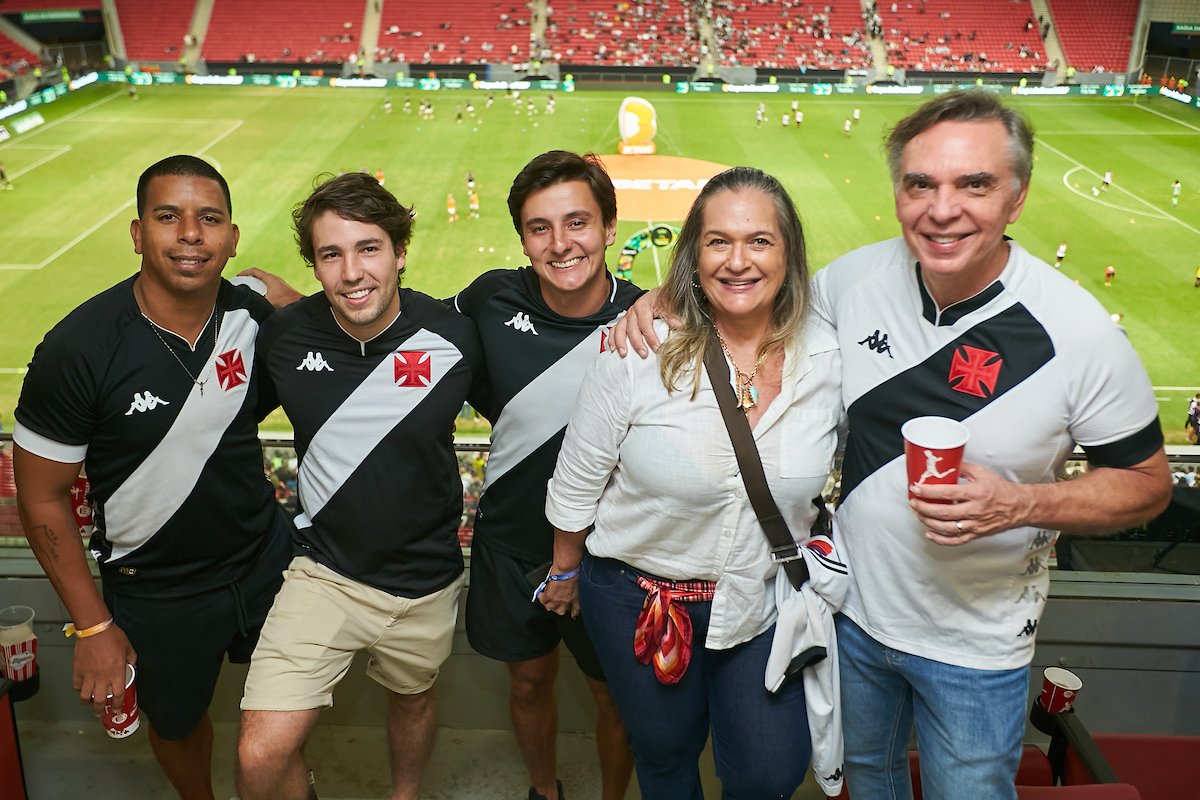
{"x":122,"y":722}
{"x":1060,"y":687}
{"x":933,"y":450}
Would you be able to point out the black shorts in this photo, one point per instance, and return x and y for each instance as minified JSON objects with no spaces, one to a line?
{"x":503,"y":624}
{"x":181,"y":642}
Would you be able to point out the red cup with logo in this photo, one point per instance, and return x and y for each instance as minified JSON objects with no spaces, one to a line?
{"x":123,"y":721}
{"x":80,"y":506}
{"x":933,"y":450}
{"x":1060,"y":687}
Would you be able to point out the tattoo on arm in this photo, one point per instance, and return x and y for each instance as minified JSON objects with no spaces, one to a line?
{"x":50,"y":541}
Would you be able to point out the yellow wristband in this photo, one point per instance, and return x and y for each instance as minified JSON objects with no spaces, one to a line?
{"x":70,"y":630}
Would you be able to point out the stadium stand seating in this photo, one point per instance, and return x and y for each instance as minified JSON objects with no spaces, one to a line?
{"x":154,"y":34}
{"x":1095,"y":34}
{"x":10,"y":522}
{"x":1161,"y":767}
{"x":478,"y":32}
{"x":962,"y":35}
{"x":623,"y":34}
{"x":791,"y":34}
{"x":14,"y":58}
{"x":284,"y":30}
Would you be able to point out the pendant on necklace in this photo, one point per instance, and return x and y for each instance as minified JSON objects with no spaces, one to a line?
{"x":747,"y":394}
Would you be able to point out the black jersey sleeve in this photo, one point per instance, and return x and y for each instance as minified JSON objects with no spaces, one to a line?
{"x":471,"y":299}
{"x":272,"y":328}
{"x":480,"y":394}
{"x":58,"y":397}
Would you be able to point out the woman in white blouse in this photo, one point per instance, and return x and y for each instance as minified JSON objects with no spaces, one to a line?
{"x":677,"y":587}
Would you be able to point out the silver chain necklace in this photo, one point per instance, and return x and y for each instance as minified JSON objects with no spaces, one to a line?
{"x":211,"y":360}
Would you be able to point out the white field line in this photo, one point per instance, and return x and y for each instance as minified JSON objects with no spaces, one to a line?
{"x":57,"y":152}
{"x":1161,"y":213}
{"x":43,"y":128}
{"x":237,"y":124}
{"x":159,"y":120}
{"x":1167,"y":117}
{"x":1066,"y":179}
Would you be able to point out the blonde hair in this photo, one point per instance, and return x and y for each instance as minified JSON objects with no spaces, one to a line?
{"x":682,"y":355}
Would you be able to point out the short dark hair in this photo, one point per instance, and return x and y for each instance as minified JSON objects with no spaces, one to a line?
{"x":188,"y":166}
{"x":974,"y":105}
{"x":560,"y":166}
{"x":356,"y":196}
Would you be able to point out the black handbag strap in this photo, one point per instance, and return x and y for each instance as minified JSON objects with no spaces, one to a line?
{"x":784,"y":549}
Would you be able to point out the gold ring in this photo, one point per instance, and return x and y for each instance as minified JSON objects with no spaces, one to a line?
{"x":959,"y":526}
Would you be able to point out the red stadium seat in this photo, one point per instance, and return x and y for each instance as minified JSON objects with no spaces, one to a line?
{"x":1096,"y":33}
{"x":1161,"y":767}
{"x":1095,"y":791}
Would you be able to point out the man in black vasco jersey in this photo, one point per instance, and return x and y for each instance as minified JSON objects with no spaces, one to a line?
{"x":372,"y":378}
{"x":150,"y":386}
{"x":541,"y":327}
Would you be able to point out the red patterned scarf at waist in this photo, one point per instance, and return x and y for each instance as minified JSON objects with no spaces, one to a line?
{"x":664,"y":630}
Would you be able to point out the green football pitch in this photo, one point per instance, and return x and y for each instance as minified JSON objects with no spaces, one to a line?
{"x":64,"y":229}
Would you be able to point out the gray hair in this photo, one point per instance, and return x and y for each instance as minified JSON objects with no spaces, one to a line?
{"x":966,"y":106}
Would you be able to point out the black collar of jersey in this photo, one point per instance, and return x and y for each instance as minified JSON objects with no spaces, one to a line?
{"x":382,"y":342}
{"x":955,"y":311}
{"x":534,"y":285}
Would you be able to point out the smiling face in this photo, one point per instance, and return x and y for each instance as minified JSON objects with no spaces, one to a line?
{"x":359,"y":270}
{"x":564,"y":234}
{"x":957,"y":193}
{"x":743,"y":259}
{"x":184,"y":235}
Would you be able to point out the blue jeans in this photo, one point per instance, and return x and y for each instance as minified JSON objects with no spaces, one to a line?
{"x":969,"y":722}
{"x":760,"y":741}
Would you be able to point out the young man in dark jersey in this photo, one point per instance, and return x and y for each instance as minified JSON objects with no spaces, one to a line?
{"x":541,"y":327}
{"x":150,"y":386}
{"x":372,"y":377}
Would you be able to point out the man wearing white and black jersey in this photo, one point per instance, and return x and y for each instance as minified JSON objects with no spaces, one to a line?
{"x":541,"y":328}
{"x":151,"y":386}
{"x":372,"y":377}
{"x":955,"y":319}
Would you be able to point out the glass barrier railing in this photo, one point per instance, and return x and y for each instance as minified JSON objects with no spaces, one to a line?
{"x":1168,"y":545}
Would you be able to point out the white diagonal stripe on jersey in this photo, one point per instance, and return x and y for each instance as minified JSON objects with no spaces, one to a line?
{"x":363,"y":419}
{"x":528,"y":420}
{"x":158,"y":487}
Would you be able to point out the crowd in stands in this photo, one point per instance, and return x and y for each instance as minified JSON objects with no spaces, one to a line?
{"x":790,"y":34}
{"x":919,"y":35}
{"x":957,"y":35}
{"x":608,"y":33}
{"x":478,"y":32}
{"x":15,"y":59}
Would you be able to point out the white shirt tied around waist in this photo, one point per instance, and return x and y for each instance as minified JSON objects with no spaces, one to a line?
{"x":656,"y":473}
